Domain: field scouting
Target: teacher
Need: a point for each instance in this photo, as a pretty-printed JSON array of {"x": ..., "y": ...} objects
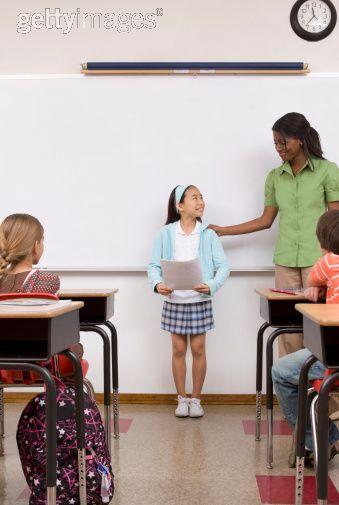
[{"x": 301, "y": 189}]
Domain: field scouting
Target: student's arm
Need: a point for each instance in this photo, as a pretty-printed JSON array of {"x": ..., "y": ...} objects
[
  {"x": 154, "y": 270},
  {"x": 318, "y": 274},
  {"x": 314, "y": 293},
  {"x": 222, "y": 269},
  {"x": 317, "y": 280}
]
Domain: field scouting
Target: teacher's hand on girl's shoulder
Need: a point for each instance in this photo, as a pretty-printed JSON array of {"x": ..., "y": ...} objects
[
  {"x": 218, "y": 229},
  {"x": 202, "y": 288},
  {"x": 162, "y": 289}
]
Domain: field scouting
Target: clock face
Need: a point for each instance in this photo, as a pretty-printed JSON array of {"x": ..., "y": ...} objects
[
  {"x": 314, "y": 17},
  {"x": 313, "y": 20}
]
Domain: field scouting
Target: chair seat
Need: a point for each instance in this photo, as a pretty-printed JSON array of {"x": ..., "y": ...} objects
[
  {"x": 66, "y": 367},
  {"x": 31, "y": 378},
  {"x": 316, "y": 384}
]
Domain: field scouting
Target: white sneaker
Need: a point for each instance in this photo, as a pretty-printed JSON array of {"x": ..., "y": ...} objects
[
  {"x": 182, "y": 408},
  {"x": 196, "y": 409}
]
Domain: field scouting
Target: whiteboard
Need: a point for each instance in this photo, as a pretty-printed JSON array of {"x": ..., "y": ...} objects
[{"x": 95, "y": 158}]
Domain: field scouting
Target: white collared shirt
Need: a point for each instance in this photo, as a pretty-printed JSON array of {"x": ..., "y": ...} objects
[{"x": 186, "y": 247}]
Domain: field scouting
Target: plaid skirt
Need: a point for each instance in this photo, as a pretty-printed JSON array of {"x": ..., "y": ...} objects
[{"x": 187, "y": 318}]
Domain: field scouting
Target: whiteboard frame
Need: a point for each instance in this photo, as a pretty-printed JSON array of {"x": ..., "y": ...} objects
[{"x": 311, "y": 75}]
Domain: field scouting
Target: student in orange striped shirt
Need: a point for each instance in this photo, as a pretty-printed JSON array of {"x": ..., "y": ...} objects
[
  {"x": 325, "y": 272},
  {"x": 286, "y": 371}
]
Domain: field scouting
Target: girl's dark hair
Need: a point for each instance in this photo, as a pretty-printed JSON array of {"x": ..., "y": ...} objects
[
  {"x": 172, "y": 213},
  {"x": 328, "y": 231},
  {"x": 296, "y": 125}
]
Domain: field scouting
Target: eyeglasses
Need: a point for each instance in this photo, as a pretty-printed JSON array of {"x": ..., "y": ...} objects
[
  {"x": 284, "y": 142},
  {"x": 280, "y": 144}
]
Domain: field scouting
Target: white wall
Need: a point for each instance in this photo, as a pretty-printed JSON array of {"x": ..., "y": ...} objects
[
  {"x": 225, "y": 30},
  {"x": 145, "y": 349}
]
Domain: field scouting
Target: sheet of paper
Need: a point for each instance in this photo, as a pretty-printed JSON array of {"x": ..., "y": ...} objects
[
  {"x": 181, "y": 274},
  {"x": 33, "y": 302}
]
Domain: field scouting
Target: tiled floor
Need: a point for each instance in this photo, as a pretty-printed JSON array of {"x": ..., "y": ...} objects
[{"x": 161, "y": 460}]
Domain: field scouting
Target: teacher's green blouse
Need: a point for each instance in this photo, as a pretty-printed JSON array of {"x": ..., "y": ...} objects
[{"x": 301, "y": 199}]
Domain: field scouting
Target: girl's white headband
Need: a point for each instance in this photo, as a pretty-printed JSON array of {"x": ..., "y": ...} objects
[{"x": 180, "y": 190}]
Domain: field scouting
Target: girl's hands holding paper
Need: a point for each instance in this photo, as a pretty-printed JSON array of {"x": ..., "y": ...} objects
[
  {"x": 202, "y": 288},
  {"x": 162, "y": 289}
]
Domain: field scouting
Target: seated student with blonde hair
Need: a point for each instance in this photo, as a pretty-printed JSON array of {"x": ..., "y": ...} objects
[{"x": 21, "y": 247}]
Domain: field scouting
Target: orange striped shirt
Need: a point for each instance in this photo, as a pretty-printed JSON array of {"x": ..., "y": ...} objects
[{"x": 326, "y": 272}]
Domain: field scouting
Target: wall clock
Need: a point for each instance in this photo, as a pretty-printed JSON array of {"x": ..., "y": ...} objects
[{"x": 313, "y": 20}]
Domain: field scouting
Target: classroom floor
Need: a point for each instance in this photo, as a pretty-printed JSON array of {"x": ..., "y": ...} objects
[{"x": 161, "y": 460}]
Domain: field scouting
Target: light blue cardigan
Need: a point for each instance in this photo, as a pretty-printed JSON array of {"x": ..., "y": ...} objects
[{"x": 215, "y": 268}]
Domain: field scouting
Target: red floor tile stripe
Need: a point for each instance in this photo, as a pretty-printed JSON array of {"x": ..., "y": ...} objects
[
  {"x": 280, "y": 427},
  {"x": 124, "y": 425},
  {"x": 25, "y": 494},
  {"x": 280, "y": 490}
]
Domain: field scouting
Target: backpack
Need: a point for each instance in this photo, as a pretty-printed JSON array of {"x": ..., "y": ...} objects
[{"x": 32, "y": 450}]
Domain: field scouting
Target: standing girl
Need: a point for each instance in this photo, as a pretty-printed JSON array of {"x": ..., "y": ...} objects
[{"x": 188, "y": 312}]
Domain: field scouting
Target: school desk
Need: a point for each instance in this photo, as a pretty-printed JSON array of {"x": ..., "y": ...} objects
[
  {"x": 30, "y": 335},
  {"x": 278, "y": 311},
  {"x": 321, "y": 337},
  {"x": 97, "y": 311}
]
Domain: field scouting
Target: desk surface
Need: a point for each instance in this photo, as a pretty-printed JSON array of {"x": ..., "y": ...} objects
[
  {"x": 87, "y": 293},
  {"x": 38, "y": 312},
  {"x": 272, "y": 295},
  {"x": 322, "y": 314}
]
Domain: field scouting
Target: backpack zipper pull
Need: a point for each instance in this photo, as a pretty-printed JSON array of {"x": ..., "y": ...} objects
[{"x": 105, "y": 482}]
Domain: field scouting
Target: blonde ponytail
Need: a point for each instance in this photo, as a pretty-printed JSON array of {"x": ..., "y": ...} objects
[
  {"x": 4, "y": 263},
  {"x": 18, "y": 234}
]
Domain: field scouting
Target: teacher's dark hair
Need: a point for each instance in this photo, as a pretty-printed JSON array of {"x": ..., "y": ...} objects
[
  {"x": 296, "y": 125},
  {"x": 328, "y": 231},
  {"x": 172, "y": 213}
]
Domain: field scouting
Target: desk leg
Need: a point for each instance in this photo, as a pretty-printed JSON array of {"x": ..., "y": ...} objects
[
  {"x": 301, "y": 429},
  {"x": 2, "y": 421},
  {"x": 322, "y": 436},
  {"x": 107, "y": 379},
  {"x": 260, "y": 338},
  {"x": 51, "y": 442},
  {"x": 115, "y": 373},
  {"x": 314, "y": 423},
  {"x": 269, "y": 388},
  {"x": 80, "y": 423}
]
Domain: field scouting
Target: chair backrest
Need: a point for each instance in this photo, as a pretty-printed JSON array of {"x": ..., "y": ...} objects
[{"x": 11, "y": 296}]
